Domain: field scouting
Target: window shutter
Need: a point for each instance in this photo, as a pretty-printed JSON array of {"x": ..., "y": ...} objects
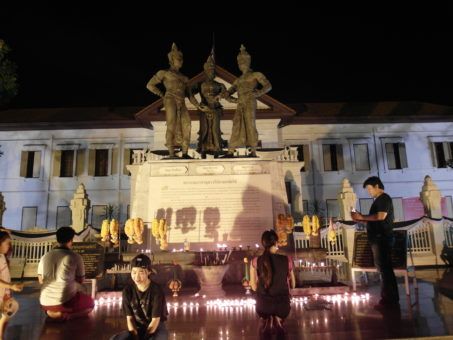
[
  {"x": 326, "y": 157},
  {"x": 391, "y": 162},
  {"x": 80, "y": 162},
  {"x": 447, "y": 152},
  {"x": 114, "y": 161},
  {"x": 23, "y": 163},
  {"x": 340, "y": 162},
  {"x": 37, "y": 164},
  {"x": 126, "y": 160},
  {"x": 361, "y": 157},
  {"x": 56, "y": 169},
  {"x": 91, "y": 161},
  {"x": 403, "y": 157},
  {"x": 29, "y": 215}
]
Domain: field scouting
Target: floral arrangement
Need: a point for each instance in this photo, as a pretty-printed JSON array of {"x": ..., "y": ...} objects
[
  {"x": 331, "y": 232},
  {"x": 174, "y": 284},
  {"x": 134, "y": 228},
  {"x": 284, "y": 226},
  {"x": 310, "y": 228},
  {"x": 110, "y": 231},
  {"x": 159, "y": 231}
]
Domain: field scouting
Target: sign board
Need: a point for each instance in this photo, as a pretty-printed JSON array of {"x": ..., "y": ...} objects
[
  {"x": 413, "y": 208},
  {"x": 93, "y": 255},
  {"x": 363, "y": 256}
]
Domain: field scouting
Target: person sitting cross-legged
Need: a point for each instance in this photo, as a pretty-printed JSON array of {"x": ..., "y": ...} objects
[
  {"x": 61, "y": 273},
  {"x": 144, "y": 304}
]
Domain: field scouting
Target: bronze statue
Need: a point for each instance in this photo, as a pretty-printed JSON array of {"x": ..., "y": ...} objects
[
  {"x": 249, "y": 86},
  {"x": 177, "y": 115},
  {"x": 210, "y": 136}
]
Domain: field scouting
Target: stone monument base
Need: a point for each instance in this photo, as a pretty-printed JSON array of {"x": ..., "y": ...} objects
[{"x": 206, "y": 203}]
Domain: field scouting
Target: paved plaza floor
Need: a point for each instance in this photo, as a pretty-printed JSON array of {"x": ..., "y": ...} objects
[{"x": 427, "y": 313}]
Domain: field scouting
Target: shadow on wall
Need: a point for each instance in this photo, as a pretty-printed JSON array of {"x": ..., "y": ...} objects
[
  {"x": 211, "y": 219},
  {"x": 255, "y": 215},
  {"x": 185, "y": 219},
  {"x": 252, "y": 221}
]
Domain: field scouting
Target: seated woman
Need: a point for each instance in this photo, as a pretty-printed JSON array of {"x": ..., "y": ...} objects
[
  {"x": 271, "y": 276},
  {"x": 8, "y": 305},
  {"x": 144, "y": 305}
]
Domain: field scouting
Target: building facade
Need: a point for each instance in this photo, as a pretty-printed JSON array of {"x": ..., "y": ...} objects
[{"x": 47, "y": 153}]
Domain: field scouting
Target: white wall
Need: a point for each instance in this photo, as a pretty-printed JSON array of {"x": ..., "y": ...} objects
[
  {"x": 48, "y": 191},
  {"x": 321, "y": 185}
]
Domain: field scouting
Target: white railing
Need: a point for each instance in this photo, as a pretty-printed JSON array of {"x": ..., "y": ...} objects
[
  {"x": 138, "y": 157},
  {"x": 333, "y": 248},
  {"x": 287, "y": 153},
  {"x": 419, "y": 239},
  {"x": 30, "y": 251},
  {"x": 448, "y": 233},
  {"x": 300, "y": 240}
]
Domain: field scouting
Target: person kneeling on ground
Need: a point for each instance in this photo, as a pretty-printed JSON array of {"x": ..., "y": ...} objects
[
  {"x": 271, "y": 276},
  {"x": 144, "y": 304},
  {"x": 61, "y": 273}
]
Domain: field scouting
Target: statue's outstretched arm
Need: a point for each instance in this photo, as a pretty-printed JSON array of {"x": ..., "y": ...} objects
[
  {"x": 265, "y": 84},
  {"x": 154, "y": 81},
  {"x": 191, "y": 92},
  {"x": 230, "y": 91},
  {"x": 223, "y": 94}
]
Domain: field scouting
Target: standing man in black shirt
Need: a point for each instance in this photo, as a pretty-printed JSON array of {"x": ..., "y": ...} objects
[
  {"x": 380, "y": 235},
  {"x": 143, "y": 304}
]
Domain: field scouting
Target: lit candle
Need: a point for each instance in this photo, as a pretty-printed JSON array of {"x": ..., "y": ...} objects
[
  {"x": 201, "y": 256},
  {"x": 300, "y": 263},
  {"x": 246, "y": 261}
]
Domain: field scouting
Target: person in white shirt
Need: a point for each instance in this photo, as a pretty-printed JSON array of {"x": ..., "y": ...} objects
[
  {"x": 61, "y": 273},
  {"x": 8, "y": 305}
]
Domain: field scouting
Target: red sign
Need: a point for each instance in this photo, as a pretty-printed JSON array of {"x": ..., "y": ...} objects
[{"x": 413, "y": 208}]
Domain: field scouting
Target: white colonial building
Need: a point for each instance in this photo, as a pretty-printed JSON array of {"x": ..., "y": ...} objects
[{"x": 47, "y": 153}]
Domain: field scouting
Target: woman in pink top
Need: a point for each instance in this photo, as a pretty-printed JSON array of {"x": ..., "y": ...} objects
[{"x": 8, "y": 305}]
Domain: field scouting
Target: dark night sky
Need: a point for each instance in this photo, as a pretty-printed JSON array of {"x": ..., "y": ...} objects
[{"x": 105, "y": 58}]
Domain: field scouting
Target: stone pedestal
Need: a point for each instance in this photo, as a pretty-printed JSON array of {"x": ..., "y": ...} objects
[
  {"x": 80, "y": 204},
  {"x": 347, "y": 200},
  {"x": 206, "y": 202},
  {"x": 210, "y": 278}
]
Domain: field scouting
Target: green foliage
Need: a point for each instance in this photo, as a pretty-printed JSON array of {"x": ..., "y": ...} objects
[
  {"x": 8, "y": 78},
  {"x": 317, "y": 208},
  {"x": 110, "y": 211}
]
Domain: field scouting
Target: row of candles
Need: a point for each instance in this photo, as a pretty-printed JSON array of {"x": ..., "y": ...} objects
[
  {"x": 126, "y": 267},
  {"x": 219, "y": 247},
  {"x": 249, "y": 302},
  {"x": 308, "y": 264},
  {"x": 335, "y": 298},
  {"x": 314, "y": 266}
]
